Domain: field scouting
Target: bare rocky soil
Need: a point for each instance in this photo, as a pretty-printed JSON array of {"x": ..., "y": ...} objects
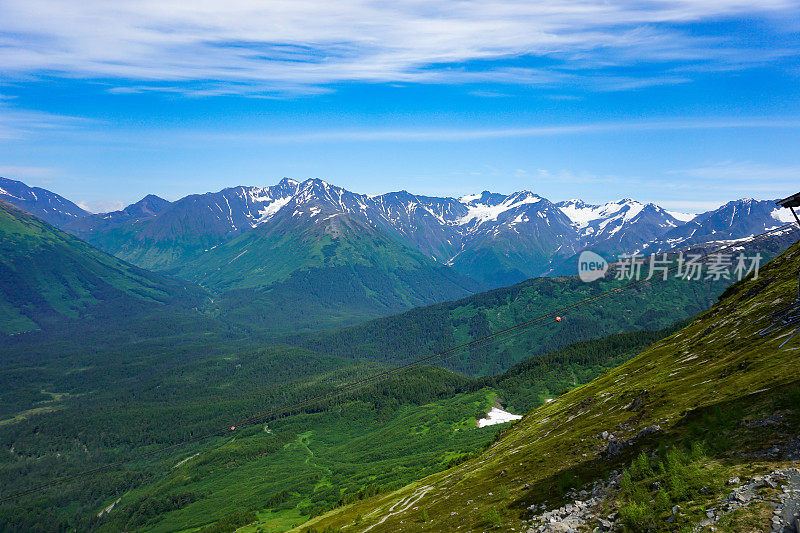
[{"x": 585, "y": 512}]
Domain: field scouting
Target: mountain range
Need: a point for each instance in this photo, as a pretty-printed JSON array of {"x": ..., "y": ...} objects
[
  {"x": 492, "y": 238},
  {"x": 310, "y": 254}
]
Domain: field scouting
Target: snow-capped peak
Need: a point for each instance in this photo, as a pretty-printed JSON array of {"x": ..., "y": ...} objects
[
  {"x": 311, "y": 183},
  {"x": 582, "y": 214},
  {"x": 485, "y": 212},
  {"x": 469, "y": 198},
  {"x": 574, "y": 202}
]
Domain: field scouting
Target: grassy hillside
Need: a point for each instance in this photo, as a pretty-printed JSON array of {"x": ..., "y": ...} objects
[
  {"x": 700, "y": 386},
  {"x": 47, "y": 276}
]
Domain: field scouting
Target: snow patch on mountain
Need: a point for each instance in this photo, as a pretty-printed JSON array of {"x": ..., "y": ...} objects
[
  {"x": 580, "y": 213},
  {"x": 497, "y": 416},
  {"x": 631, "y": 209},
  {"x": 486, "y": 212},
  {"x": 469, "y": 198},
  {"x": 269, "y": 210},
  {"x": 583, "y": 215}
]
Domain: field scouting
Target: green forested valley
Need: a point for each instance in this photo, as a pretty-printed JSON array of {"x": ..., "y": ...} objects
[{"x": 102, "y": 402}]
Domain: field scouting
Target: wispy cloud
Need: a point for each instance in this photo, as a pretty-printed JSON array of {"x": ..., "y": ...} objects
[
  {"x": 472, "y": 134},
  {"x": 20, "y": 123},
  {"x": 42, "y": 174},
  {"x": 747, "y": 177},
  {"x": 240, "y": 46},
  {"x": 726, "y": 180},
  {"x": 488, "y": 94}
]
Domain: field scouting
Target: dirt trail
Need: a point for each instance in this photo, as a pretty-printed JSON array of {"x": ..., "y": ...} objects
[{"x": 404, "y": 505}]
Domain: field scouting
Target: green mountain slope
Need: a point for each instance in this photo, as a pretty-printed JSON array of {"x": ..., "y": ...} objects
[
  {"x": 700, "y": 385},
  {"x": 293, "y": 275},
  {"x": 47, "y": 276},
  {"x": 532, "y": 382},
  {"x": 271, "y": 253},
  {"x": 428, "y": 330},
  {"x": 147, "y": 244}
]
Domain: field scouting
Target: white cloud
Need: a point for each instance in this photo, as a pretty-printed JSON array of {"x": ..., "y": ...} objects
[
  {"x": 100, "y": 205},
  {"x": 488, "y": 94},
  {"x": 241, "y": 46}
]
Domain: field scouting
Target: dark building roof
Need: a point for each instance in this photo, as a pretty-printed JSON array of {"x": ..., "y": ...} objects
[{"x": 792, "y": 201}]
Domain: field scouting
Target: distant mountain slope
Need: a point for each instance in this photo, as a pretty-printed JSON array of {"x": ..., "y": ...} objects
[
  {"x": 716, "y": 385},
  {"x": 310, "y": 231},
  {"x": 734, "y": 220},
  {"x": 311, "y": 264},
  {"x": 618, "y": 227},
  {"x": 495, "y": 239},
  {"x": 85, "y": 227},
  {"x": 47, "y": 276},
  {"x": 48, "y": 206},
  {"x": 509, "y": 239},
  {"x": 188, "y": 227}
]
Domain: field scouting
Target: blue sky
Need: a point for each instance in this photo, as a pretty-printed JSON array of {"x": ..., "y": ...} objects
[{"x": 685, "y": 103}]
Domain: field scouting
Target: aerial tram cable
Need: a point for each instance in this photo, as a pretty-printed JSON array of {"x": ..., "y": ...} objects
[{"x": 383, "y": 375}]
